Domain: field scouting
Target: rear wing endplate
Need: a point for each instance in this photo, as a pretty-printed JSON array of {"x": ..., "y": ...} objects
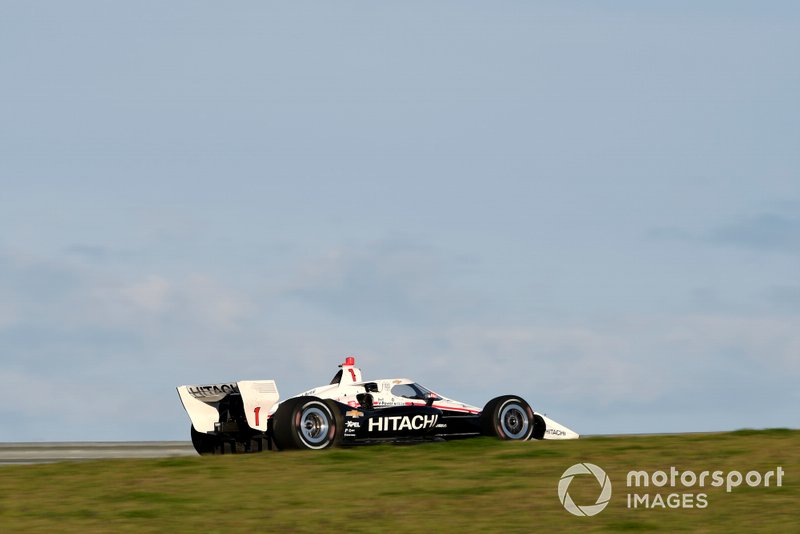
[{"x": 202, "y": 402}]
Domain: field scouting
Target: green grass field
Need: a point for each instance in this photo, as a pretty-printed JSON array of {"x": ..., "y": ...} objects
[{"x": 476, "y": 485}]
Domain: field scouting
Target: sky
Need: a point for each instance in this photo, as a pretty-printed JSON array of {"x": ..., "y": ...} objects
[{"x": 594, "y": 205}]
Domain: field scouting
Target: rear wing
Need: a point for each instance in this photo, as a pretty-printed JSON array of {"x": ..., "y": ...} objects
[{"x": 202, "y": 403}]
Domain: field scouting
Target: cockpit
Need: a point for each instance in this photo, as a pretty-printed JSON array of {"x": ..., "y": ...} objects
[{"x": 413, "y": 391}]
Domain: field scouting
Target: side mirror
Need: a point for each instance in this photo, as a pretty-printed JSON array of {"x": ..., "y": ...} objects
[
  {"x": 365, "y": 400},
  {"x": 430, "y": 398}
]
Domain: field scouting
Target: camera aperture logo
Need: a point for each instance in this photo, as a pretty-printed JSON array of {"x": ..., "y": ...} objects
[{"x": 584, "y": 469}]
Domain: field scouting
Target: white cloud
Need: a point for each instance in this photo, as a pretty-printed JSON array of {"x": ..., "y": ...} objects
[
  {"x": 211, "y": 303},
  {"x": 387, "y": 281},
  {"x": 765, "y": 232},
  {"x": 647, "y": 360},
  {"x": 565, "y": 362},
  {"x": 96, "y": 328},
  {"x": 771, "y": 341},
  {"x": 192, "y": 299},
  {"x": 150, "y": 294},
  {"x": 8, "y": 315}
]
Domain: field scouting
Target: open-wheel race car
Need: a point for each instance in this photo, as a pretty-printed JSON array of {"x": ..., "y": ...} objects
[{"x": 247, "y": 416}]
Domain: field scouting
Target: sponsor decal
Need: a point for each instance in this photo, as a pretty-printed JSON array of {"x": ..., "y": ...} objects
[
  {"x": 402, "y": 422},
  {"x": 352, "y": 424},
  {"x": 213, "y": 390},
  {"x": 555, "y": 432},
  {"x": 354, "y": 413}
]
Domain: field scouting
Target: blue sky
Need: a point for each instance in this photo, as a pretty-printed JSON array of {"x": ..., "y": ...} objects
[{"x": 593, "y": 205}]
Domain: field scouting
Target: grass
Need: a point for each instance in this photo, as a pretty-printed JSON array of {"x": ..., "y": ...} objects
[{"x": 480, "y": 485}]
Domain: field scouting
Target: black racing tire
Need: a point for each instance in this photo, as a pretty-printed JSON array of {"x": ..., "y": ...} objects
[
  {"x": 339, "y": 419},
  {"x": 508, "y": 417},
  {"x": 306, "y": 423},
  {"x": 485, "y": 420},
  {"x": 203, "y": 443}
]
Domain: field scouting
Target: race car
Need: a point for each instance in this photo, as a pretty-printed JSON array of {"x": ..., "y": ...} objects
[{"x": 246, "y": 416}]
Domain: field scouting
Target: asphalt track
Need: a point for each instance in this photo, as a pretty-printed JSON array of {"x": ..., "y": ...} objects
[{"x": 48, "y": 452}]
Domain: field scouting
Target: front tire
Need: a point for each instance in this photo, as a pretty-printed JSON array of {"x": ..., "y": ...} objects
[
  {"x": 306, "y": 423},
  {"x": 508, "y": 417}
]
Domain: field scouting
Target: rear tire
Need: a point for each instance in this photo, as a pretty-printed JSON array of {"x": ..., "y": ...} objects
[
  {"x": 203, "y": 443},
  {"x": 508, "y": 417},
  {"x": 306, "y": 423}
]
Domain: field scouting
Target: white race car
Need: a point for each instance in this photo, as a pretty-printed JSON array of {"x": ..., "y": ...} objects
[{"x": 246, "y": 416}]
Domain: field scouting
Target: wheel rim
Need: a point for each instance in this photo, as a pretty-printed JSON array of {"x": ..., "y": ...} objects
[
  {"x": 514, "y": 421},
  {"x": 314, "y": 426}
]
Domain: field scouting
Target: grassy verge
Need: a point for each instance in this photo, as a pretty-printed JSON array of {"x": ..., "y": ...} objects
[{"x": 471, "y": 486}]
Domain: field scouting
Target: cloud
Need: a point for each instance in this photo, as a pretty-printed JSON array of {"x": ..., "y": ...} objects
[
  {"x": 670, "y": 233},
  {"x": 135, "y": 336},
  {"x": 629, "y": 364},
  {"x": 771, "y": 344},
  {"x": 784, "y": 297},
  {"x": 72, "y": 333},
  {"x": 53, "y": 311},
  {"x": 36, "y": 280},
  {"x": 210, "y": 302},
  {"x": 8, "y": 315},
  {"x": 94, "y": 253},
  {"x": 149, "y": 294},
  {"x": 565, "y": 362},
  {"x": 765, "y": 232},
  {"x": 384, "y": 281},
  {"x": 40, "y": 290},
  {"x": 194, "y": 298}
]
